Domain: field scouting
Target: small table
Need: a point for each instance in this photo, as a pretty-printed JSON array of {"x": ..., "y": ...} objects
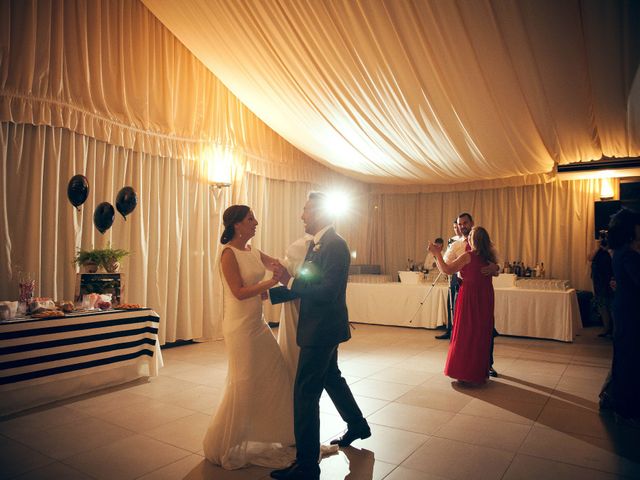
[
  {"x": 406, "y": 305},
  {"x": 44, "y": 360},
  {"x": 552, "y": 314}
]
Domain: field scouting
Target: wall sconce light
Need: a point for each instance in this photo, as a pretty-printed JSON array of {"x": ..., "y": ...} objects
[
  {"x": 217, "y": 161},
  {"x": 606, "y": 189}
]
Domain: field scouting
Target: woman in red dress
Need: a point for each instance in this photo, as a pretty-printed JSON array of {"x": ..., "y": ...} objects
[{"x": 468, "y": 357}]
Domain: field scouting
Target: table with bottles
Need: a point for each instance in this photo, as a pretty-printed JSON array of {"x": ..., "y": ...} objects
[{"x": 529, "y": 309}]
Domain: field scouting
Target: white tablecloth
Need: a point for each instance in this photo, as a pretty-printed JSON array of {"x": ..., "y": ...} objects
[
  {"x": 522, "y": 312},
  {"x": 397, "y": 304},
  {"x": 537, "y": 313},
  {"x": 42, "y": 361}
]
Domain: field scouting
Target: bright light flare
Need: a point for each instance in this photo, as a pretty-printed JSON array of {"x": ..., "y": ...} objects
[
  {"x": 218, "y": 162},
  {"x": 337, "y": 204}
]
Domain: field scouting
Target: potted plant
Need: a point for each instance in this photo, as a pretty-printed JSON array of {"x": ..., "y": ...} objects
[
  {"x": 110, "y": 258},
  {"x": 88, "y": 260},
  {"x": 107, "y": 258}
]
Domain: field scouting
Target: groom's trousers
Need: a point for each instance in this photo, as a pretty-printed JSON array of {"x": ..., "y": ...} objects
[{"x": 318, "y": 370}]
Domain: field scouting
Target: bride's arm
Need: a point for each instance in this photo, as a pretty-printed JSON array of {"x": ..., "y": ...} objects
[
  {"x": 268, "y": 261},
  {"x": 231, "y": 272}
]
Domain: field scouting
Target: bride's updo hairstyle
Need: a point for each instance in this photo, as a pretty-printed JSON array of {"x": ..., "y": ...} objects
[{"x": 232, "y": 215}]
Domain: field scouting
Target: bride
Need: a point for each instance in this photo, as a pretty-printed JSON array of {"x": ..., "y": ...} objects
[{"x": 253, "y": 424}]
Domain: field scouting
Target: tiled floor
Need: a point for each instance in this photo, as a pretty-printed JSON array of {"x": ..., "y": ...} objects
[{"x": 539, "y": 420}]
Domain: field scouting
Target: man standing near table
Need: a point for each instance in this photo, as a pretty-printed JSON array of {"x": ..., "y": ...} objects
[
  {"x": 464, "y": 224},
  {"x": 453, "y": 279}
]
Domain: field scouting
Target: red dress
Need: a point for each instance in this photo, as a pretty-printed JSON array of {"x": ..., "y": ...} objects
[{"x": 468, "y": 357}]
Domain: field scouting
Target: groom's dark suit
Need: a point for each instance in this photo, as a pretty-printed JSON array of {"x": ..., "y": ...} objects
[{"x": 323, "y": 323}]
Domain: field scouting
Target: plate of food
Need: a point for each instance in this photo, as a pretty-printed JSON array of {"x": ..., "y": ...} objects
[
  {"x": 65, "y": 305},
  {"x": 48, "y": 314},
  {"x": 129, "y": 306}
]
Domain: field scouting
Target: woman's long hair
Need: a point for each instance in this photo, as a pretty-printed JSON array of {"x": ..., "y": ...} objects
[
  {"x": 622, "y": 228},
  {"x": 482, "y": 244},
  {"x": 232, "y": 215}
]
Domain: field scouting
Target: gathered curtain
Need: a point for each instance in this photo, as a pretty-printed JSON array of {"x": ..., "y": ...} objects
[
  {"x": 552, "y": 223},
  {"x": 171, "y": 233},
  {"x": 110, "y": 70}
]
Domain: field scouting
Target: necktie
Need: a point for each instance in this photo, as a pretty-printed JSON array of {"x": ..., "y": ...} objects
[{"x": 311, "y": 247}]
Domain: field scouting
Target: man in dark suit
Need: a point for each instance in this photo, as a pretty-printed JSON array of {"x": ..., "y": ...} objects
[{"x": 322, "y": 325}]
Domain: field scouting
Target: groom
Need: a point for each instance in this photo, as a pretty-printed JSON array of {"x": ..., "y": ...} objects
[{"x": 322, "y": 325}]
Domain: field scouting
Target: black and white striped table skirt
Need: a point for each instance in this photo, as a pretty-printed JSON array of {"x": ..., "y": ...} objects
[{"x": 42, "y": 361}]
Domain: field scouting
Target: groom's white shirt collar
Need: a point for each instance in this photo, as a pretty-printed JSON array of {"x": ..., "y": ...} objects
[{"x": 318, "y": 236}]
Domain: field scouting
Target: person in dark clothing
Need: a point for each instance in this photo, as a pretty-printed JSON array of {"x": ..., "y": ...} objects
[
  {"x": 623, "y": 391},
  {"x": 601, "y": 275}
]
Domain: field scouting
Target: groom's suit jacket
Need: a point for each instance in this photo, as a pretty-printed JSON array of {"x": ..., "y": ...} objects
[{"x": 322, "y": 288}]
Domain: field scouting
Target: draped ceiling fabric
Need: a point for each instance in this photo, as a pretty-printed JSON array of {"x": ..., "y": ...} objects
[
  {"x": 429, "y": 92},
  {"x": 111, "y": 71}
]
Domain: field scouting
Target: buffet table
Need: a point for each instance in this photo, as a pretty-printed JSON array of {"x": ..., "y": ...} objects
[
  {"x": 522, "y": 312},
  {"x": 45, "y": 360}
]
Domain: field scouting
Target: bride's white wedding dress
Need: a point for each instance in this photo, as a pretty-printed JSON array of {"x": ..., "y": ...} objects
[
  {"x": 253, "y": 424},
  {"x": 293, "y": 261}
]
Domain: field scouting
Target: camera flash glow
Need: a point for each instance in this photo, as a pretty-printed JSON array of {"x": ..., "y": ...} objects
[{"x": 337, "y": 204}]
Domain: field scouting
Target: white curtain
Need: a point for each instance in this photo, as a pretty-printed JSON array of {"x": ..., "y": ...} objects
[
  {"x": 551, "y": 223},
  {"x": 171, "y": 234}
]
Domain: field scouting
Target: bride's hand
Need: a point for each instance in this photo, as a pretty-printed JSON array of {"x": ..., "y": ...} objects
[
  {"x": 265, "y": 295},
  {"x": 273, "y": 266}
]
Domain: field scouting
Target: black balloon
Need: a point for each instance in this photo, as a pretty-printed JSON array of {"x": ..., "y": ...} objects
[
  {"x": 103, "y": 216},
  {"x": 78, "y": 190},
  {"x": 126, "y": 201}
]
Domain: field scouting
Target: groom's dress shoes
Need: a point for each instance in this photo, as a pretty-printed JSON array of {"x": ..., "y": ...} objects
[
  {"x": 297, "y": 472},
  {"x": 352, "y": 435}
]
